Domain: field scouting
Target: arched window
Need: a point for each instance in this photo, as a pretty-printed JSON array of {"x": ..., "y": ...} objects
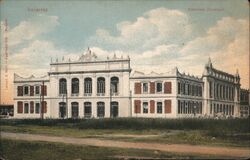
[
  {"x": 87, "y": 86},
  {"x": 62, "y": 86},
  {"x": 87, "y": 109},
  {"x": 100, "y": 85},
  {"x": 100, "y": 109},
  {"x": 74, "y": 110},
  {"x": 62, "y": 109},
  {"x": 75, "y": 86},
  {"x": 114, "y": 110},
  {"x": 114, "y": 85}
]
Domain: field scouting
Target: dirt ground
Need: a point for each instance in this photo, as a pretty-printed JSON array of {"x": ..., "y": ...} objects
[{"x": 176, "y": 148}]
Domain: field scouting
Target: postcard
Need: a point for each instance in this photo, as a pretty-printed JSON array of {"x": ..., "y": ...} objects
[{"x": 134, "y": 60}]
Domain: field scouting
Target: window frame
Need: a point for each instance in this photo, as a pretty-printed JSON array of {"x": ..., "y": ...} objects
[
  {"x": 156, "y": 87},
  {"x": 147, "y": 86},
  {"x": 62, "y": 86},
  {"x": 100, "y": 109},
  {"x": 26, "y": 107},
  {"x": 88, "y": 86},
  {"x": 26, "y": 94},
  {"x": 37, "y": 107},
  {"x": 86, "y": 105},
  {"x": 101, "y": 86},
  {"x": 75, "y": 89},
  {"x": 159, "y": 109},
  {"x": 114, "y": 85},
  {"x": 145, "y": 108},
  {"x": 39, "y": 90},
  {"x": 75, "y": 109}
]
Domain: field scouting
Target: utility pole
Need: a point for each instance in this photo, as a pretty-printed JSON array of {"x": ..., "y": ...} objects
[
  {"x": 130, "y": 101},
  {"x": 40, "y": 109},
  {"x": 67, "y": 103},
  {"x": 110, "y": 100},
  {"x": 43, "y": 103}
]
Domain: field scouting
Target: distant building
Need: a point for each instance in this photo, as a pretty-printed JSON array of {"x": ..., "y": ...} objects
[
  {"x": 221, "y": 92},
  {"x": 244, "y": 103},
  {"x": 6, "y": 110},
  {"x": 92, "y": 88}
]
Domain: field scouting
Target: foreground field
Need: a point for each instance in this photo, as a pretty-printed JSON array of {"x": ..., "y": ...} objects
[
  {"x": 25, "y": 150},
  {"x": 229, "y": 132},
  {"x": 177, "y": 151},
  {"x": 227, "y": 137}
]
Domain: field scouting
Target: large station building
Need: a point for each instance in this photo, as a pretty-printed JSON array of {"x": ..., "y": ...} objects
[{"x": 93, "y": 88}]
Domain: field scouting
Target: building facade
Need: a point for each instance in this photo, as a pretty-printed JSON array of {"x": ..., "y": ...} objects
[
  {"x": 244, "y": 103},
  {"x": 221, "y": 92},
  {"x": 92, "y": 88}
]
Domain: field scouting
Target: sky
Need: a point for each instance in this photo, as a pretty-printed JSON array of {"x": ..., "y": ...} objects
[{"x": 157, "y": 35}]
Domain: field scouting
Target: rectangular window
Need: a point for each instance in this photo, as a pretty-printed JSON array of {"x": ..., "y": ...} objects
[
  {"x": 159, "y": 87},
  {"x": 20, "y": 91},
  {"x": 101, "y": 86},
  {"x": 186, "y": 89},
  {"x": 37, "y": 107},
  {"x": 145, "y": 87},
  {"x": 159, "y": 107},
  {"x": 26, "y": 107},
  {"x": 211, "y": 108},
  {"x": 100, "y": 109},
  {"x": 179, "y": 107},
  {"x": 87, "y": 110},
  {"x": 210, "y": 90},
  {"x": 37, "y": 90},
  {"x": 19, "y": 107},
  {"x": 168, "y": 87},
  {"x": 137, "y": 88},
  {"x": 145, "y": 107},
  {"x": 137, "y": 106},
  {"x": 26, "y": 90},
  {"x": 168, "y": 106},
  {"x": 179, "y": 88}
]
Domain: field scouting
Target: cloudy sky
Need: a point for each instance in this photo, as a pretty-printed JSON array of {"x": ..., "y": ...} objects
[{"x": 157, "y": 35}]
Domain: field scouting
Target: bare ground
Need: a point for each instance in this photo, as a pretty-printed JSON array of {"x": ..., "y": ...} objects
[{"x": 176, "y": 148}]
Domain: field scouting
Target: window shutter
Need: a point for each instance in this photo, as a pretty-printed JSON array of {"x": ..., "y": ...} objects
[
  {"x": 31, "y": 90},
  {"x": 137, "y": 106},
  {"x": 31, "y": 107},
  {"x": 152, "y": 106},
  {"x": 138, "y": 88},
  {"x": 168, "y": 106},
  {"x": 44, "y": 90},
  {"x": 19, "y": 107},
  {"x": 168, "y": 87},
  {"x": 152, "y": 87},
  {"x": 20, "y": 91},
  {"x": 44, "y": 107}
]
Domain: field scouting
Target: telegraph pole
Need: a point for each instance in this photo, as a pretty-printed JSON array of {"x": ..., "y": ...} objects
[
  {"x": 110, "y": 99},
  {"x": 43, "y": 103},
  {"x": 67, "y": 103}
]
